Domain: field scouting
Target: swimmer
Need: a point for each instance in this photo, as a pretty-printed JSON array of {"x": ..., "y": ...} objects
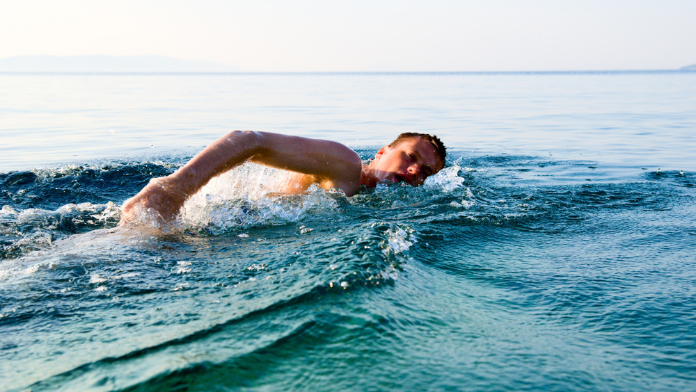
[{"x": 411, "y": 158}]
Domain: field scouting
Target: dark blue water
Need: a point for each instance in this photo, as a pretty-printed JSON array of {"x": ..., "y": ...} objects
[{"x": 543, "y": 271}]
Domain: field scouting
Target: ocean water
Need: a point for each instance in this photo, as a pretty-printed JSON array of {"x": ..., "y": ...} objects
[{"x": 556, "y": 251}]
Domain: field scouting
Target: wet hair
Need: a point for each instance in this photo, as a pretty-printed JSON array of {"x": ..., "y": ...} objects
[{"x": 434, "y": 140}]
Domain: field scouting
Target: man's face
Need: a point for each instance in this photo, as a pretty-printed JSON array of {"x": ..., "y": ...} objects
[{"x": 412, "y": 160}]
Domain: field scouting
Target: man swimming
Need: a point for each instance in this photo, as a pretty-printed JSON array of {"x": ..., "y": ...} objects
[{"x": 411, "y": 158}]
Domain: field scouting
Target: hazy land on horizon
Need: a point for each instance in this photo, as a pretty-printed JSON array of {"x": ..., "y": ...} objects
[{"x": 157, "y": 64}]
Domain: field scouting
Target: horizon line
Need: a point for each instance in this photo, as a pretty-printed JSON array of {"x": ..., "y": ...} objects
[{"x": 678, "y": 70}]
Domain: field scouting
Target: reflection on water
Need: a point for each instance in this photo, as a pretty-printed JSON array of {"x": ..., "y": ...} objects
[{"x": 630, "y": 119}]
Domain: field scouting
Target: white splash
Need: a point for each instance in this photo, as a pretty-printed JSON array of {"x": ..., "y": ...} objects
[
  {"x": 95, "y": 278},
  {"x": 399, "y": 240},
  {"x": 467, "y": 202},
  {"x": 7, "y": 212},
  {"x": 446, "y": 180},
  {"x": 182, "y": 267},
  {"x": 248, "y": 196}
]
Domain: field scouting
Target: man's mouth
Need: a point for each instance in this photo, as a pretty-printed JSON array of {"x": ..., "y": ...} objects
[{"x": 400, "y": 178}]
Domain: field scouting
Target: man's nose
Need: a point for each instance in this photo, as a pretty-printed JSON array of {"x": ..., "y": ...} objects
[{"x": 415, "y": 171}]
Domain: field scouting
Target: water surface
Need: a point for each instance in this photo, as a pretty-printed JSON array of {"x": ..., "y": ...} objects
[{"x": 555, "y": 252}]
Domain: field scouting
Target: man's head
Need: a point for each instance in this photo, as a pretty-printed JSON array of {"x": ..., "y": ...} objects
[
  {"x": 434, "y": 140},
  {"x": 410, "y": 158}
]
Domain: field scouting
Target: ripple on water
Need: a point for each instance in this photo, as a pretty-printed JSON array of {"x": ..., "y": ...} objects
[{"x": 496, "y": 262}]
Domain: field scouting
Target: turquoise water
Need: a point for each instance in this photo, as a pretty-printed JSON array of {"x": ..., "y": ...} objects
[{"x": 556, "y": 250}]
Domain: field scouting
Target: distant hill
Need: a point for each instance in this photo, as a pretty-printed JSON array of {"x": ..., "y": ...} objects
[
  {"x": 106, "y": 64},
  {"x": 689, "y": 68}
]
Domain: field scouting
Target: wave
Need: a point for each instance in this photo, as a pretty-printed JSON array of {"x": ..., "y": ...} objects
[
  {"x": 40, "y": 207},
  {"x": 240, "y": 252}
]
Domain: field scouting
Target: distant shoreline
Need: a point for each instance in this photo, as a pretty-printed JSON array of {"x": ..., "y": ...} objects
[
  {"x": 157, "y": 64},
  {"x": 599, "y": 72}
]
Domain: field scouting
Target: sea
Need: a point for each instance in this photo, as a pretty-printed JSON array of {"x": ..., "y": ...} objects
[{"x": 556, "y": 251}]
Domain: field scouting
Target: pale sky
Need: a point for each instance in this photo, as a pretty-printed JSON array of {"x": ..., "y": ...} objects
[{"x": 363, "y": 35}]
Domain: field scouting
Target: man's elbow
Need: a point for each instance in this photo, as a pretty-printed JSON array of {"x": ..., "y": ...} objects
[
  {"x": 251, "y": 141},
  {"x": 238, "y": 135}
]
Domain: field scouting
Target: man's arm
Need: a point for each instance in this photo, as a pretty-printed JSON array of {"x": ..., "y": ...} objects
[{"x": 330, "y": 164}]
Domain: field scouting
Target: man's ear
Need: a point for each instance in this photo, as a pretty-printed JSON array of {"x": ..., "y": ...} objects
[{"x": 381, "y": 151}]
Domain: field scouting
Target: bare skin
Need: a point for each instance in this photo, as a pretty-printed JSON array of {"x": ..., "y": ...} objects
[
  {"x": 410, "y": 161},
  {"x": 326, "y": 163}
]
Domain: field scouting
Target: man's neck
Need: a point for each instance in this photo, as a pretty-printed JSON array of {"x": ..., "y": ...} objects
[{"x": 367, "y": 178}]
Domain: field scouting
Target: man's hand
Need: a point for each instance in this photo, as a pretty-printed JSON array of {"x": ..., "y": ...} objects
[{"x": 161, "y": 194}]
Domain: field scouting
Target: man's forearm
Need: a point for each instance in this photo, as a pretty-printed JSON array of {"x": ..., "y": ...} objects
[
  {"x": 224, "y": 154},
  {"x": 167, "y": 195}
]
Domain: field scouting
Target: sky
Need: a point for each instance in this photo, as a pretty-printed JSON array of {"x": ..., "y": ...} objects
[{"x": 363, "y": 35}]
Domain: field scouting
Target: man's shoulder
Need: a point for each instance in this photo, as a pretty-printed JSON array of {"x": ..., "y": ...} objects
[{"x": 345, "y": 171}]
